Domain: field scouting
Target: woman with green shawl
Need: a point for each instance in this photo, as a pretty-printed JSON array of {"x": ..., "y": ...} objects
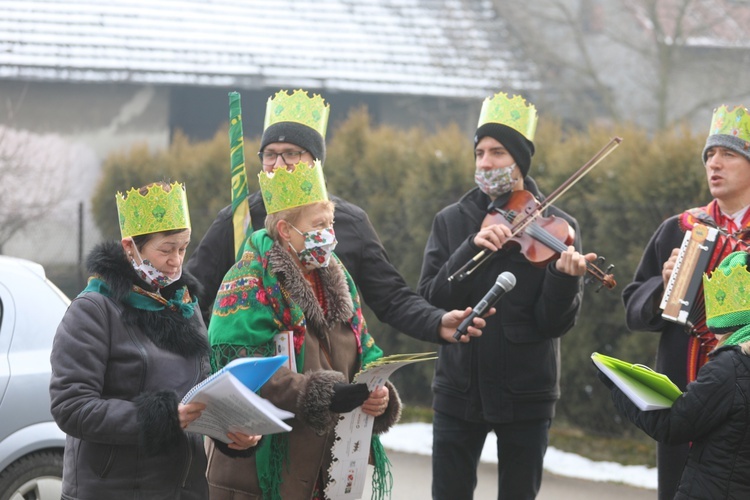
[{"x": 289, "y": 280}]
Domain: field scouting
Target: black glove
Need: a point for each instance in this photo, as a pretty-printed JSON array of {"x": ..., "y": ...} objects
[
  {"x": 605, "y": 379},
  {"x": 347, "y": 397}
]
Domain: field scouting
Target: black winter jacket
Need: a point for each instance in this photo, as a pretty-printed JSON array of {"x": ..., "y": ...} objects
[
  {"x": 713, "y": 414},
  {"x": 381, "y": 286},
  {"x": 118, "y": 374},
  {"x": 512, "y": 372}
]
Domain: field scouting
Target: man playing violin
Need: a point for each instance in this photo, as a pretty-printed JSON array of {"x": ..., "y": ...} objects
[
  {"x": 506, "y": 381},
  {"x": 683, "y": 349}
]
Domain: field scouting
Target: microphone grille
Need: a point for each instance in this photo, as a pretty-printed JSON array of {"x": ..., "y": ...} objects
[{"x": 506, "y": 280}]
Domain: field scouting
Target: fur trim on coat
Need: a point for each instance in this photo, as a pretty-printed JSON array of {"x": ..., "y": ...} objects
[
  {"x": 335, "y": 288},
  {"x": 158, "y": 421},
  {"x": 167, "y": 329},
  {"x": 315, "y": 400}
]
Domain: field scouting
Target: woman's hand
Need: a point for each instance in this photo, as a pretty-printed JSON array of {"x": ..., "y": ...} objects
[
  {"x": 189, "y": 412},
  {"x": 242, "y": 441},
  {"x": 377, "y": 403}
]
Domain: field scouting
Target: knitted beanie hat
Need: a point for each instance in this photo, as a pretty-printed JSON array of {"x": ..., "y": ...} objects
[
  {"x": 519, "y": 147},
  {"x": 730, "y": 129},
  {"x": 736, "y": 144},
  {"x": 727, "y": 294},
  {"x": 298, "y": 134}
]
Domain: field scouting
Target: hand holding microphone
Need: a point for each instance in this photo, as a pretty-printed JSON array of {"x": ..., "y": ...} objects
[{"x": 504, "y": 283}]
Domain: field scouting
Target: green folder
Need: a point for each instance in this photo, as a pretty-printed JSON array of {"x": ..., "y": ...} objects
[{"x": 646, "y": 388}]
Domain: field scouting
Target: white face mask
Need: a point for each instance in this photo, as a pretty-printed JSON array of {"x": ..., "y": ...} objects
[
  {"x": 149, "y": 273},
  {"x": 495, "y": 182},
  {"x": 319, "y": 246}
]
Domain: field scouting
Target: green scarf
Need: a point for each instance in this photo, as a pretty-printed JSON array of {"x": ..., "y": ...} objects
[
  {"x": 145, "y": 300},
  {"x": 251, "y": 308}
]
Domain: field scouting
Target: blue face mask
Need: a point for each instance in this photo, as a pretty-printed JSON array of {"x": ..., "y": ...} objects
[{"x": 495, "y": 182}]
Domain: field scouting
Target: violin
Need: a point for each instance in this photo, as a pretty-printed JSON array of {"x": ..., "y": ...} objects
[
  {"x": 543, "y": 239},
  {"x": 541, "y": 242}
]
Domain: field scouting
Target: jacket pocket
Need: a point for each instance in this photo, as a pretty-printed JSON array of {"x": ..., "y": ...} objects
[
  {"x": 453, "y": 368},
  {"x": 531, "y": 362},
  {"x": 101, "y": 457}
]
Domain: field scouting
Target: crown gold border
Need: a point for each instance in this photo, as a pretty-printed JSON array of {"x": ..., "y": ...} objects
[
  {"x": 513, "y": 112},
  {"x": 727, "y": 293},
  {"x": 282, "y": 189},
  {"x": 298, "y": 107},
  {"x": 156, "y": 211}
]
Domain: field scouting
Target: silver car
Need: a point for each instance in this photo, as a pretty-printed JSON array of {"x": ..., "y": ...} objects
[{"x": 31, "y": 444}]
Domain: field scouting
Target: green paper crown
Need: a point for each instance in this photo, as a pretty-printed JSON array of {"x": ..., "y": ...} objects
[
  {"x": 299, "y": 108},
  {"x": 727, "y": 293},
  {"x": 283, "y": 189},
  {"x": 514, "y": 112},
  {"x": 153, "y": 212},
  {"x": 735, "y": 122}
]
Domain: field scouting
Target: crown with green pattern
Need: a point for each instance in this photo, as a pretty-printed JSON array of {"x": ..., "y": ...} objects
[
  {"x": 153, "y": 208},
  {"x": 727, "y": 293},
  {"x": 299, "y": 108},
  {"x": 513, "y": 112},
  {"x": 282, "y": 189},
  {"x": 734, "y": 122}
]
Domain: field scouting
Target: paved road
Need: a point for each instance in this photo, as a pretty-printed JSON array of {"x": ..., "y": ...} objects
[{"x": 412, "y": 477}]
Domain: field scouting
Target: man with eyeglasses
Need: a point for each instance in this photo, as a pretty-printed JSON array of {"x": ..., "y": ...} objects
[{"x": 283, "y": 145}]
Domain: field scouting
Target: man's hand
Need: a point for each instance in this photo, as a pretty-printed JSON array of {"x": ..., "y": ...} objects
[
  {"x": 492, "y": 237},
  {"x": 668, "y": 267},
  {"x": 451, "y": 320},
  {"x": 573, "y": 263}
]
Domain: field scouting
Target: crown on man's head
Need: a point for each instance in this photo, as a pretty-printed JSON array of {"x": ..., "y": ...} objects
[
  {"x": 734, "y": 122},
  {"x": 282, "y": 189},
  {"x": 513, "y": 112},
  {"x": 727, "y": 293},
  {"x": 299, "y": 108},
  {"x": 152, "y": 209}
]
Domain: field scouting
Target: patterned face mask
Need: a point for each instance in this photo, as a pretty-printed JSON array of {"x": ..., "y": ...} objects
[
  {"x": 319, "y": 246},
  {"x": 495, "y": 182},
  {"x": 149, "y": 273}
]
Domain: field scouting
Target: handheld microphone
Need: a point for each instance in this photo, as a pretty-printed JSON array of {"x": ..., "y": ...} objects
[{"x": 504, "y": 283}]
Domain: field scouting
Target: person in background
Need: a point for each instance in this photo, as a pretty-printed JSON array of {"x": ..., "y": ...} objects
[
  {"x": 289, "y": 282},
  {"x": 684, "y": 349},
  {"x": 294, "y": 131},
  {"x": 508, "y": 380},
  {"x": 129, "y": 347},
  {"x": 712, "y": 414}
]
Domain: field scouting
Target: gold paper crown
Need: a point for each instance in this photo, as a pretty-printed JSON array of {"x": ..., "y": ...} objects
[
  {"x": 726, "y": 295},
  {"x": 300, "y": 108},
  {"x": 514, "y": 112},
  {"x": 158, "y": 210},
  {"x": 735, "y": 122},
  {"x": 283, "y": 189}
]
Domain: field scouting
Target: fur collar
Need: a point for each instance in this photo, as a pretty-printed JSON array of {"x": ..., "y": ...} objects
[
  {"x": 335, "y": 288},
  {"x": 166, "y": 328}
]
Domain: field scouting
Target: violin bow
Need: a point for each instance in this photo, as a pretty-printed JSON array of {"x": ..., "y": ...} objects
[{"x": 482, "y": 257}]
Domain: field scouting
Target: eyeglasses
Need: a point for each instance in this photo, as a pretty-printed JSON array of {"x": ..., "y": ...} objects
[{"x": 289, "y": 157}]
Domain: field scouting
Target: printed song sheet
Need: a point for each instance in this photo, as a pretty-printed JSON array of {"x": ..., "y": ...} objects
[{"x": 354, "y": 431}]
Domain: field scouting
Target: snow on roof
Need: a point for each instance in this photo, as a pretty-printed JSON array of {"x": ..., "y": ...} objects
[
  {"x": 456, "y": 48},
  {"x": 698, "y": 23}
]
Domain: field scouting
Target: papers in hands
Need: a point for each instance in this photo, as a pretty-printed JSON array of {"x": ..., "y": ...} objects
[
  {"x": 231, "y": 403},
  {"x": 351, "y": 449},
  {"x": 647, "y": 389}
]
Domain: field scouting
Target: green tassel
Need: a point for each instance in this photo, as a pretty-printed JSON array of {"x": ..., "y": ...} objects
[
  {"x": 271, "y": 456},
  {"x": 382, "y": 479}
]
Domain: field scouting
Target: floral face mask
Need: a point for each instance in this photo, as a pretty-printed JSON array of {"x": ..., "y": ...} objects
[
  {"x": 495, "y": 182},
  {"x": 319, "y": 246},
  {"x": 149, "y": 273}
]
